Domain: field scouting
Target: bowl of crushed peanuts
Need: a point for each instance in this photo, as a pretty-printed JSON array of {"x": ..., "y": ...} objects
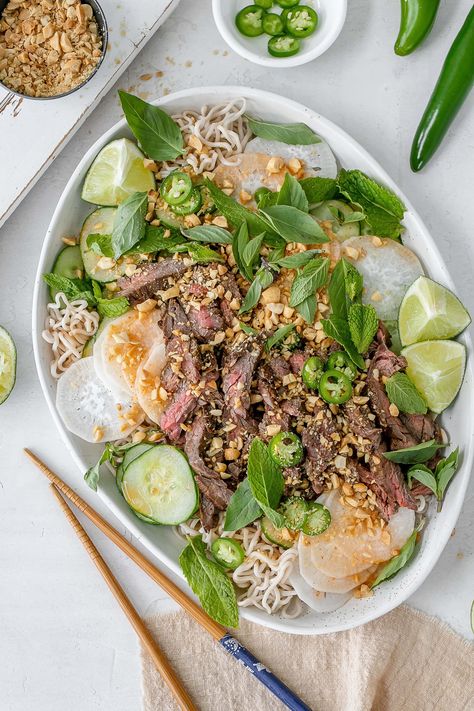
[{"x": 50, "y": 48}]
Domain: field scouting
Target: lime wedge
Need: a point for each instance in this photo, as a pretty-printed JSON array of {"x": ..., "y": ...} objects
[
  {"x": 116, "y": 173},
  {"x": 430, "y": 311},
  {"x": 437, "y": 369},
  {"x": 7, "y": 364}
]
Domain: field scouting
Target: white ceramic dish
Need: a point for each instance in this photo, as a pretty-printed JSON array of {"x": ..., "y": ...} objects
[
  {"x": 163, "y": 542},
  {"x": 331, "y": 13}
]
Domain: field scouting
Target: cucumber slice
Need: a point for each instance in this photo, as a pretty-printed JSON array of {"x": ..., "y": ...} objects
[
  {"x": 337, "y": 211},
  {"x": 159, "y": 484},
  {"x": 99, "y": 222},
  {"x": 295, "y": 510},
  {"x": 130, "y": 455},
  {"x": 7, "y": 364},
  {"x": 280, "y": 536},
  {"x": 68, "y": 264}
]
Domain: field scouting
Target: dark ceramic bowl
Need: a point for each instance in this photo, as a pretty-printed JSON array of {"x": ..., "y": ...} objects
[{"x": 104, "y": 33}]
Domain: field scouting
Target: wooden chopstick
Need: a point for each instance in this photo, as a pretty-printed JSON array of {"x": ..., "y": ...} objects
[
  {"x": 213, "y": 627},
  {"x": 161, "y": 663}
]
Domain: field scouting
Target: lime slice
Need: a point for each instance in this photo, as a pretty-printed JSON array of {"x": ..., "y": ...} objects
[
  {"x": 430, "y": 311},
  {"x": 7, "y": 364},
  {"x": 437, "y": 369},
  {"x": 116, "y": 173}
]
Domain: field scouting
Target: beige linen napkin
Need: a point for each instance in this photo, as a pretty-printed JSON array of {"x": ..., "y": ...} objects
[{"x": 405, "y": 661}]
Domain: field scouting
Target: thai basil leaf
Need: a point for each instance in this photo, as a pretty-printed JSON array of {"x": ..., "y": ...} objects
[
  {"x": 290, "y": 133},
  {"x": 242, "y": 509},
  {"x": 264, "y": 476},
  {"x": 129, "y": 224},
  {"x": 210, "y": 234},
  {"x": 424, "y": 475},
  {"x": 251, "y": 253},
  {"x": 363, "y": 323},
  {"x": 311, "y": 278},
  {"x": 344, "y": 288},
  {"x": 155, "y": 241},
  {"x": 239, "y": 242},
  {"x": 299, "y": 259},
  {"x": 307, "y": 309},
  {"x": 234, "y": 212},
  {"x": 319, "y": 189},
  {"x": 293, "y": 225},
  {"x": 338, "y": 329},
  {"x": 209, "y": 582},
  {"x": 199, "y": 253},
  {"x": 159, "y": 136},
  {"x": 291, "y": 193},
  {"x": 399, "y": 561},
  {"x": 263, "y": 279},
  {"x": 445, "y": 470},
  {"x": 418, "y": 454},
  {"x": 278, "y": 336},
  {"x": 403, "y": 393}
]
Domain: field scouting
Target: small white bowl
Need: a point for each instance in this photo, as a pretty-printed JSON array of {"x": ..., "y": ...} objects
[{"x": 331, "y": 14}]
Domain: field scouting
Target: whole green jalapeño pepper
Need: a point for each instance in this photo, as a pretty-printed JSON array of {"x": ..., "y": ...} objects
[
  {"x": 417, "y": 19},
  {"x": 454, "y": 84}
]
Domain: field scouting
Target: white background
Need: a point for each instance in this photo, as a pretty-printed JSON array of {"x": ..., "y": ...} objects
[{"x": 64, "y": 643}]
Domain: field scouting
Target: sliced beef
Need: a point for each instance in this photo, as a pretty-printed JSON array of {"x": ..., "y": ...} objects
[
  {"x": 209, "y": 482},
  {"x": 207, "y": 513},
  {"x": 237, "y": 373},
  {"x": 422, "y": 427},
  {"x": 315, "y": 476},
  {"x": 273, "y": 413},
  {"x": 361, "y": 425},
  {"x": 147, "y": 280},
  {"x": 386, "y": 480},
  {"x": 280, "y": 367},
  {"x": 182, "y": 404},
  {"x": 321, "y": 444},
  {"x": 297, "y": 361},
  {"x": 293, "y": 406},
  {"x": 176, "y": 320},
  {"x": 205, "y": 321}
]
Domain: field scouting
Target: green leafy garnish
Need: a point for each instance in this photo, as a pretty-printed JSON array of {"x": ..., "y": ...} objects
[
  {"x": 251, "y": 253},
  {"x": 383, "y": 209},
  {"x": 307, "y": 309},
  {"x": 291, "y": 193},
  {"x": 73, "y": 289},
  {"x": 338, "y": 329},
  {"x": 209, "y": 233},
  {"x": 290, "y": 133},
  {"x": 265, "y": 481},
  {"x": 100, "y": 244},
  {"x": 248, "y": 329},
  {"x": 319, "y": 189},
  {"x": 293, "y": 225},
  {"x": 209, "y": 582},
  {"x": 344, "y": 288},
  {"x": 242, "y": 509},
  {"x": 438, "y": 480},
  {"x": 111, "y": 451},
  {"x": 363, "y": 323},
  {"x": 415, "y": 455},
  {"x": 293, "y": 261},
  {"x": 129, "y": 224},
  {"x": 155, "y": 241},
  {"x": 156, "y": 132},
  {"x": 234, "y": 212},
  {"x": 399, "y": 561},
  {"x": 111, "y": 308},
  {"x": 403, "y": 393},
  {"x": 199, "y": 253},
  {"x": 279, "y": 335},
  {"x": 263, "y": 279},
  {"x": 312, "y": 277}
]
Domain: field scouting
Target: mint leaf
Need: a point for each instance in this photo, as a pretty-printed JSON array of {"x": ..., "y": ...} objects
[
  {"x": 155, "y": 241},
  {"x": 199, "y": 253},
  {"x": 445, "y": 470},
  {"x": 129, "y": 223},
  {"x": 311, "y": 278},
  {"x": 404, "y": 395},
  {"x": 338, "y": 329},
  {"x": 423, "y": 475},
  {"x": 156, "y": 132},
  {"x": 100, "y": 244},
  {"x": 399, "y": 561},
  {"x": 291, "y": 193},
  {"x": 415, "y": 455},
  {"x": 299, "y": 259},
  {"x": 209, "y": 582},
  {"x": 293, "y": 225},
  {"x": 290, "y": 133},
  {"x": 209, "y": 233},
  {"x": 307, "y": 309},
  {"x": 73, "y": 289},
  {"x": 242, "y": 508},
  {"x": 111, "y": 308},
  {"x": 383, "y": 209},
  {"x": 319, "y": 189},
  {"x": 363, "y": 323},
  {"x": 264, "y": 476},
  {"x": 234, "y": 212},
  {"x": 278, "y": 336},
  {"x": 344, "y": 288},
  {"x": 278, "y": 520},
  {"x": 263, "y": 279}
]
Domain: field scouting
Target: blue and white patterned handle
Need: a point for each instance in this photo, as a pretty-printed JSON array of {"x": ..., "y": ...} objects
[{"x": 264, "y": 675}]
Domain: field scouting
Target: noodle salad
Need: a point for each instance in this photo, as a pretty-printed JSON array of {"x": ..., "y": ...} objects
[{"x": 240, "y": 324}]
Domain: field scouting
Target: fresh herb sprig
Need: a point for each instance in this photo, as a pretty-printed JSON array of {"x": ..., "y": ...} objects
[
  {"x": 158, "y": 135},
  {"x": 403, "y": 393},
  {"x": 418, "y": 454},
  {"x": 399, "y": 561},
  {"x": 290, "y": 133},
  {"x": 75, "y": 289},
  {"x": 129, "y": 223},
  {"x": 439, "y": 479}
]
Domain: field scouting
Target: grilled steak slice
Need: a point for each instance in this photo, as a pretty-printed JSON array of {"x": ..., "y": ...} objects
[
  {"x": 205, "y": 321},
  {"x": 227, "y": 313},
  {"x": 315, "y": 476},
  {"x": 422, "y": 427},
  {"x": 280, "y": 367},
  {"x": 176, "y": 320},
  {"x": 207, "y": 513},
  {"x": 273, "y": 414},
  {"x": 293, "y": 406},
  {"x": 208, "y": 481},
  {"x": 321, "y": 443},
  {"x": 386, "y": 480},
  {"x": 297, "y": 361},
  {"x": 182, "y": 404},
  {"x": 181, "y": 356},
  {"x": 361, "y": 425},
  {"x": 237, "y": 372},
  {"x": 147, "y": 280}
]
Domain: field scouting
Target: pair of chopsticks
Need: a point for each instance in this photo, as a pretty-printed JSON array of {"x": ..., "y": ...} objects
[{"x": 217, "y": 631}]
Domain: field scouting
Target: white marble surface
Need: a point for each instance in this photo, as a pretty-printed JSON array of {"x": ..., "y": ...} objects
[{"x": 64, "y": 643}]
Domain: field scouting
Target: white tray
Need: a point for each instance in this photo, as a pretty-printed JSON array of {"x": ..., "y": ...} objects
[{"x": 32, "y": 133}]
